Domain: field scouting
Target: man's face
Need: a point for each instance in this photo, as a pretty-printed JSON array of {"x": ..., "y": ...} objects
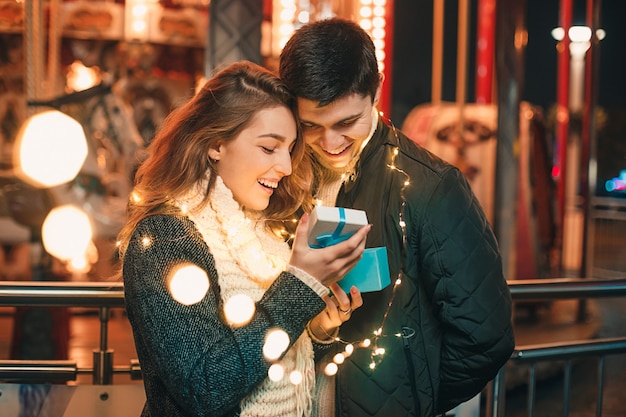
[{"x": 336, "y": 132}]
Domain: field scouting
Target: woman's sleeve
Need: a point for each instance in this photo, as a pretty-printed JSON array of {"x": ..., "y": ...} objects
[{"x": 205, "y": 365}]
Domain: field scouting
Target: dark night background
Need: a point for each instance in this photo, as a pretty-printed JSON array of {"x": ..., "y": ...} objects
[{"x": 411, "y": 78}]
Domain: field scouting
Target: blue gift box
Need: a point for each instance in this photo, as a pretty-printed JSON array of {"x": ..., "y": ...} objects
[
  {"x": 371, "y": 273},
  {"x": 331, "y": 225}
]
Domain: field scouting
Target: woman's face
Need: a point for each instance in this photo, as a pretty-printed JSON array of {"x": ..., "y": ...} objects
[{"x": 252, "y": 164}]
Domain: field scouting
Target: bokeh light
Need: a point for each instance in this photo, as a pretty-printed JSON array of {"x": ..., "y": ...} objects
[
  {"x": 295, "y": 377},
  {"x": 66, "y": 232},
  {"x": 331, "y": 369},
  {"x": 188, "y": 284},
  {"x": 50, "y": 149},
  {"x": 276, "y": 372},
  {"x": 276, "y": 343},
  {"x": 339, "y": 358},
  {"x": 349, "y": 349},
  {"x": 239, "y": 310}
]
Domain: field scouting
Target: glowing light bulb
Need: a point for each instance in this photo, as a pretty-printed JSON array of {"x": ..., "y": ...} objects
[
  {"x": 339, "y": 358},
  {"x": 295, "y": 377},
  {"x": 276, "y": 372},
  {"x": 188, "y": 284},
  {"x": 80, "y": 77},
  {"x": 331, "y": 369},
  {"x": 276, "y": 343},
  {"x": 239, "y": 309},
  {"x": 50, "y": 149},
  {"x": 66, "y": 232},
  {"x": 79, "y": 264}
]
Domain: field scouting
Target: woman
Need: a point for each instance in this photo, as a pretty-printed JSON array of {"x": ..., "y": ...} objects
[{"x": 223, "y": 171}]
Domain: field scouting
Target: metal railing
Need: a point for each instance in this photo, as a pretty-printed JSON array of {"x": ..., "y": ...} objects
[
  {"x": 104, "y": 296},
  {"x": 558, "y": 289}
]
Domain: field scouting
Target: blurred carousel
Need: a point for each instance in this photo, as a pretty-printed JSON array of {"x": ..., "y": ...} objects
[
  {"x": 81, "y": 95},
  {"x": 82, "y": 89}
]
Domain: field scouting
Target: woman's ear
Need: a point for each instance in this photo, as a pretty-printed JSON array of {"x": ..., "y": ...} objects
[
  {"x": 376, "y": 98},
  {"x": 215, "y": 153}
]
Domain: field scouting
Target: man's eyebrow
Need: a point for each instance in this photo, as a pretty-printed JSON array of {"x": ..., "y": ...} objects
[
  {"x": 351, "y": 117},
  {"x": 345, "y": 119}
]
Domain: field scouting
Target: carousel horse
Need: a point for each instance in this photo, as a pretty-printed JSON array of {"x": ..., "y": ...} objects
[
  {"x": 102, "y": 186},
  {"x": 104, "y": 183}
]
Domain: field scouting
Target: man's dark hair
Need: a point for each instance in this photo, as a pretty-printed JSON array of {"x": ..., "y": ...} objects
[{"x": 330, "y": 59}]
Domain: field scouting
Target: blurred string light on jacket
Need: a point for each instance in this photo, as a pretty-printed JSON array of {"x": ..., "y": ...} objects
[
  {"x": 239, "y": 310},
  {"x": 276, "y": 343},
  {"x": 295, "y": 377},
  {"x": 276, "y": 372},
  {"x": 188, "y": 283},
  {"x": 377, "y": 351}
]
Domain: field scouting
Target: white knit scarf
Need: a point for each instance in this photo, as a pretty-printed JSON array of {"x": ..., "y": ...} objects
[{"x": 248, "y": 258}]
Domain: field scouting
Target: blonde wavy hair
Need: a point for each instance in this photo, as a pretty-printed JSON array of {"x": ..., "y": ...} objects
[{"x": 177, "y": 158}]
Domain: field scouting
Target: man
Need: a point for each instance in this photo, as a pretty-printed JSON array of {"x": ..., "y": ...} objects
[{"x": 447, "y": 325}]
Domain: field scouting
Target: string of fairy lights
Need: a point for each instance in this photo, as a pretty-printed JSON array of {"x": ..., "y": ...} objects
[
  {"x": 188, "y": 284},
  {"x": 377, "y": 351}
]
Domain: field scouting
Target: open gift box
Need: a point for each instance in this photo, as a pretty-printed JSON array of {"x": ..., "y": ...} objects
[{"x": 331, "y": 225}]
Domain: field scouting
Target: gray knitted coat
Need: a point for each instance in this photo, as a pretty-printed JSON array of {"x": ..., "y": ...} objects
[{"x": 193, "y": 363}]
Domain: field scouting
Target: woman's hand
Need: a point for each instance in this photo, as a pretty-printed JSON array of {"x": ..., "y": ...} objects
[
  {"x": 328, "y": 265},
  {"x": 339, "y": 308}
]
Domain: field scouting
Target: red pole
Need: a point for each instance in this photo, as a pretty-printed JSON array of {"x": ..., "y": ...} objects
[
  {"x": 484, "y": 50},
  {"x": 562, "y": 115}
]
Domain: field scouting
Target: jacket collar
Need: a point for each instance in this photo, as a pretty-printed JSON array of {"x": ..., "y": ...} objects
[{"x": 380, "y": 138}]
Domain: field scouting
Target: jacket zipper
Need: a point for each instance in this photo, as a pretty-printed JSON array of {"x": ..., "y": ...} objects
[{"x": 407, "y": 333}]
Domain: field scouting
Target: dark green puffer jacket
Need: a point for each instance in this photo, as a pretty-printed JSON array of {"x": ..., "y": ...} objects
[
  {"x": 453, "y": 307},
  {"x": 192, "y": 363}
]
